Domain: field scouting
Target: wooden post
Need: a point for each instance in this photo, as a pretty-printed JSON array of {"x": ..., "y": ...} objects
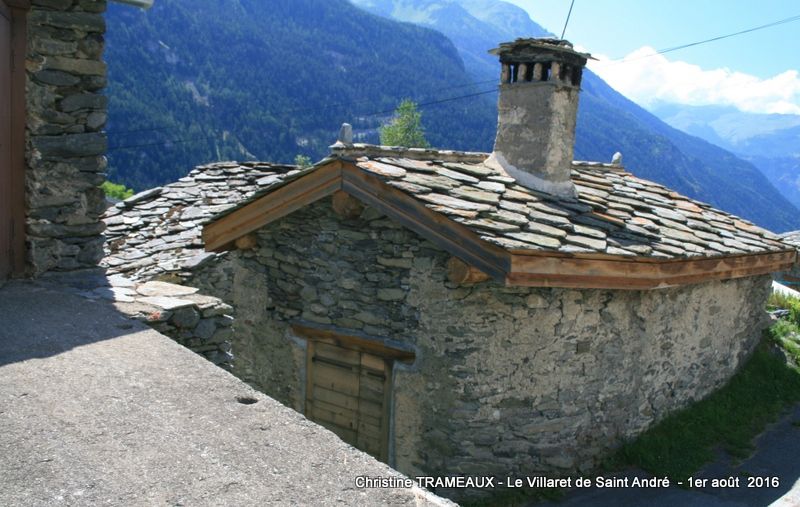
[
  {"x": 460, "y": 272},
  {"x": 346, "y": 206}
]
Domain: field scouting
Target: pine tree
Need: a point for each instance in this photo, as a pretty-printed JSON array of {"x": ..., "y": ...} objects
[{"x": 405, "y": 128}]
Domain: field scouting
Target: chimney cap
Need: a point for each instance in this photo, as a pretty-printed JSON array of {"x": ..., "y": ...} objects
[{"x": 533, "y": 49}]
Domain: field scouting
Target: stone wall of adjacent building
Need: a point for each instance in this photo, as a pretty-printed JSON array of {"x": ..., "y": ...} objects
[
  {"x": 506, "y": 380},
  {"x": 65, "y": 145}
]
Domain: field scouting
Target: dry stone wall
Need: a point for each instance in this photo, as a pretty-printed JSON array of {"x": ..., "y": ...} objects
[
  {"x": 65, "y": 145},
  {"x": 506, "y": 379}
]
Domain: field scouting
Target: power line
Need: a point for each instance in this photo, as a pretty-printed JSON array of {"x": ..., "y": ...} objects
[
  {"x": 300, "y": 110},
  {"x": 160, "y": 143},
  {"x": 327, "y": 106},
  {"x": 376, "y": 113},
  {"x": 571, "y": 5},
  {"x": 706, "y": 41},
  {"x": 147, "y": 129},
  {"x": 434, "y": 102}
]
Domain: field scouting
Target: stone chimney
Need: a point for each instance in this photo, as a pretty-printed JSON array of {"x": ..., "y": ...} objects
[{"x": 537, "y": 111}]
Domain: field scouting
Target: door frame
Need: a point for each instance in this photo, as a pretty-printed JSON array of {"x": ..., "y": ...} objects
[
  {"x": 16, "y": 12},
  {"x": 392, "y": 352}
]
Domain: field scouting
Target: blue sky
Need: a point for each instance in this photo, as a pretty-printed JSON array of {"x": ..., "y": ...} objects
[{"x": 760, "y": 67}]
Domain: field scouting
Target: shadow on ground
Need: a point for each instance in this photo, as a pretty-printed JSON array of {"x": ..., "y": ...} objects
[{"x": 60, "y": 322}]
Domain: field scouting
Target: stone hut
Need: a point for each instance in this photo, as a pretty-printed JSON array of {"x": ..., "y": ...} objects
[{"x": 466, "y": 313}]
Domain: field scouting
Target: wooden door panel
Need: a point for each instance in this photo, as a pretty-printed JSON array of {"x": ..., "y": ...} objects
[
  {"x": 347, "y": 419},
  {"x": 335, "y": 378},
  {"x": 347, "y": 391},
  {"x": 374, "y": 363},
  {"x": 334, "y": 398},
  {"x": 338, "y": 354}
]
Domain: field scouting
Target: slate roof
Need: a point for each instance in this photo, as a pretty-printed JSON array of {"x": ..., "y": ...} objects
[
  {"x": 791, "y": 237},
  {"x": 158, "y": 231},
  {"x": 615, "y": 212}
]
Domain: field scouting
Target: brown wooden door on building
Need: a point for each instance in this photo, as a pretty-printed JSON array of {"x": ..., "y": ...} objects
[
  {"x": 6, "y": 219},
  {"x": 348, "y": 392}
]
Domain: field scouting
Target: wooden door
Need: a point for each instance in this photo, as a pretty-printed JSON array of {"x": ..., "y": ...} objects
[
  {"x": 348, "y": 392},
  {"x": 6, "y": 217}
]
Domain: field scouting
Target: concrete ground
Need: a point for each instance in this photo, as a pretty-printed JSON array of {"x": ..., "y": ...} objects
[
  {"x": 777, "y": 455},
  {"x": 96, "y": 409}
]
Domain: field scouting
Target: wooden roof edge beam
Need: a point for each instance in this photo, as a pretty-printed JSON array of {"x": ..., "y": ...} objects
[
  {"x": 221, "y": 234},
  {"x": 629, "y": 274},
  {"x": 461, "y": 273},
  {"x": 346, "y": 206}
]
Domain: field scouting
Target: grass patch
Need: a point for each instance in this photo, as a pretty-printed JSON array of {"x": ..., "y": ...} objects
[
  {"x": 779, "y": 300},
  {"x": 731, "y": 417}
]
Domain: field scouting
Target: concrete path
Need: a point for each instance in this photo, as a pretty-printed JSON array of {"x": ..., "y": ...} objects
[
  {"x": 96, "y": 409},
  {"x": 777, "y": 455}
]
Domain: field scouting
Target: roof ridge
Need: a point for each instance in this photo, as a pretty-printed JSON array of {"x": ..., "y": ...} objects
[
  {"x": 375, "y": 150},
  {"x": 357, "y": 150}
]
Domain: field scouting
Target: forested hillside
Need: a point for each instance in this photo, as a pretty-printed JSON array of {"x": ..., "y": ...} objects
[{"x": 270, "y": 79}]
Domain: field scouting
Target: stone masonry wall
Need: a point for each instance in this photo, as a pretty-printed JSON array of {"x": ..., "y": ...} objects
[
  {"x": 506, "y": 379},
  {"x": 65, "y": 145}
]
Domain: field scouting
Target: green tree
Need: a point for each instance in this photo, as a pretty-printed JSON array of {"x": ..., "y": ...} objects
[
  {"x": 303, "y": 161},
  {"x": 406, "y": 128},
  {"x": 116, "y": 191}
]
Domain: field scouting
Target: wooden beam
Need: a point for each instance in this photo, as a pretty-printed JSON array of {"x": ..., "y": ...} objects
[
  {"x": 246, "y": 242},
  {"x": 346, "y": 206},
  {"x": 540, "y": 270},
  {"x": 374, "y": 346},
  {"x": 322, "y": 182},
  {"x": 435, "y": 227},
  {"x": 460, "y": 272},
  {"x": 477, "y": 260}
]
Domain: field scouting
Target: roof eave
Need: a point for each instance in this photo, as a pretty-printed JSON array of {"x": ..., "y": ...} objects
[
  {"x": 513, "y": 268},
  {"x": 540, "y": 269}
]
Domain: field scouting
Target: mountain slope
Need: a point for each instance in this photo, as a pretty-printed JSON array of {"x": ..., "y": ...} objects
[
  {"x": 268, "y": 79},
  {"x": 474, "y": 26},
  {"x": 690, "y": 165},
  {"x": 770, "y": 141},
  {"x": 607, "y": 121},
  {"x": 738, "y": 131}
]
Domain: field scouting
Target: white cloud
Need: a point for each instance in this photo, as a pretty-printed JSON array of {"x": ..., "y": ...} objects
[{"x": 645, "y": 77}]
